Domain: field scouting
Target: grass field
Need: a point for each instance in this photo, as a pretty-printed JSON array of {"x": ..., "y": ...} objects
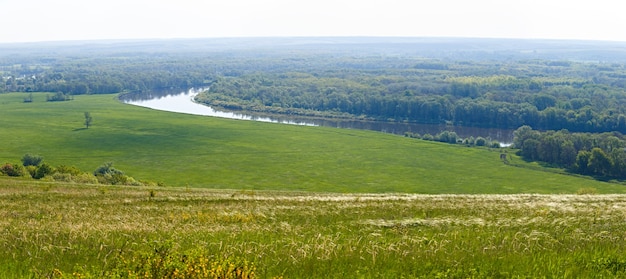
[
  {"x": 194, "y": 151},
  {"x": 267, "y": 201},
  {"x": 69, "y": 231}
]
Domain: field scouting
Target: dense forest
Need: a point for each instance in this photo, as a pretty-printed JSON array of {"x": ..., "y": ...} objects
[
  {"x": 579, "y": 96},
  {"x": 598, "y": 154},
  {"x": 548, "y": 85}
]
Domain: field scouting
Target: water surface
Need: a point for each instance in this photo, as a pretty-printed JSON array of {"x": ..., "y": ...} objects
[{"x": 182, "y": 102}]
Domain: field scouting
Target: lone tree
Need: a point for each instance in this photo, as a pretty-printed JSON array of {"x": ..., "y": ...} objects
[{"x": 88, "y": 119}]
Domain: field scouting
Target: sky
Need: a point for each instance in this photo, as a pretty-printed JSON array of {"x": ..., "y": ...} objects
[{"x": 60, "y": 20}]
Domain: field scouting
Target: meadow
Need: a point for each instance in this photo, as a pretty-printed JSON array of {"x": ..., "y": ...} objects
[
  {"x": 260, "y": 200},
  {"x": 54, "y": 230},
  {"x": 203, "y": 152}
]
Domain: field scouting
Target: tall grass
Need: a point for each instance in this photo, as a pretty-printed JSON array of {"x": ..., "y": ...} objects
[{"x": 57, "y": 230}]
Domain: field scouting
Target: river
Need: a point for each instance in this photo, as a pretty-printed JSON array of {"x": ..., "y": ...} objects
[{"x": 182, "y": 102}]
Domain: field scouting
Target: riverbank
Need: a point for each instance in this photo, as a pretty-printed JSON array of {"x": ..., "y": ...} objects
[{"x": 181, "y": 101}]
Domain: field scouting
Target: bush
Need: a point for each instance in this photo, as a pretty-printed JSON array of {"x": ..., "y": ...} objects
[
  {"x": 12, "y": 169},
  {"x": 107, "y": 168},
  {"x": 85, "y": 178},
  {"x": 31, "y": 160},
  {"x": 69, "y": 170},
  {"x": 114, "y": 179},
  {"x": 480, "y": 141},
  {"x": 43, "y": 170}
]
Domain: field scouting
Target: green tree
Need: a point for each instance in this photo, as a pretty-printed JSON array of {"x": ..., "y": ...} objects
[
  {"x": 599, "y": 162},
  {"x": 88, "y": 119},
  {"x": 522, "y": 134},
  {"x": 531, "y": 148},
  {"x": 31, "y": 160},
  {"x": 582, "y": 162},
  {"x": 568, "y": 154}
]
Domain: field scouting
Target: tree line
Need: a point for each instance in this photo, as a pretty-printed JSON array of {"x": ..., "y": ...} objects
[
  {"x": 433, "y": 86},
  {"x": 576, "y": 97},
  {"x": 596, "y": 154}
]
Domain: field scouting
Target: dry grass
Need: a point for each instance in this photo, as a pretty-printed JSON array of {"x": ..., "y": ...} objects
[{"x": 84, "y": 229}]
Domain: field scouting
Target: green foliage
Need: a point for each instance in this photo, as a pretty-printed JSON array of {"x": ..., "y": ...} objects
[
  {"x": 31, "y": 160},
  {"x": 492, "y": 88},
  {"x": 480, "y": 141},
  {"x": 489, "y": 99},
  {"x": 58, "y": 97},
  {"x": 43, "y": 170},
  {"x": 12, "y": 169},
  {"x": 162, "y": 262},
  {"x": 68, "y": 170},
  {"x": 107, "y": 174},
  {"x": 107, "y": 168},
  {"x": 601, "y": 155},
  {"x": 599, "y": 163},
  {"x": 615, "y": 266}
]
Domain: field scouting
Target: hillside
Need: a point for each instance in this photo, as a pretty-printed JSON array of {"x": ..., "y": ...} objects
[{"x": 193, "y": 151}]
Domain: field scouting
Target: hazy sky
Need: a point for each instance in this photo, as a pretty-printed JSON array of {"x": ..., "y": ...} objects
[{"x": 51, "y": 20}]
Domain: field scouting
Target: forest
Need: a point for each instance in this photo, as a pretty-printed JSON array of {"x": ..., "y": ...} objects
[
  {"x": 548, "y": 85},
  {"x": 597, "y": 154}
]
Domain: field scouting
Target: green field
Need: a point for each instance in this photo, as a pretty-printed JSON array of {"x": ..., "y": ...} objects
[
  {"x": 68, "y": 231},
  {"x": 194, "y": 151},
  {"x": 273, "y": 200}
]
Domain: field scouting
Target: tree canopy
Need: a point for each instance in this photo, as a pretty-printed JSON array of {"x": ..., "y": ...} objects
[{"x": 499, "y": 84}]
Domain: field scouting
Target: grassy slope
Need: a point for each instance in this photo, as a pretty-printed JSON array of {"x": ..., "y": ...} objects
[
  {"x": 52, "y": 229},
  {"x": 186, "y": 150}
]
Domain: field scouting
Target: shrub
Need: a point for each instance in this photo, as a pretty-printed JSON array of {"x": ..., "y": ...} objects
[
  {"x": 12, "y": 169},
  {"x": 85, "y": 178},
  {"x": 107, "y": 168},
  {"x": 31, "y": 160},
  {"x": 69, "y": 170},
  {"x": 113, "y": 179},
  {"x": 43, "y": 170},
  {"x": 480, "y": 141},
  {"x": 132, "y": 182}
]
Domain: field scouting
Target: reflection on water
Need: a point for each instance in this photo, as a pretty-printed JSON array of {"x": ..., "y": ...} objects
[{"x": 182, "y": 102}]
